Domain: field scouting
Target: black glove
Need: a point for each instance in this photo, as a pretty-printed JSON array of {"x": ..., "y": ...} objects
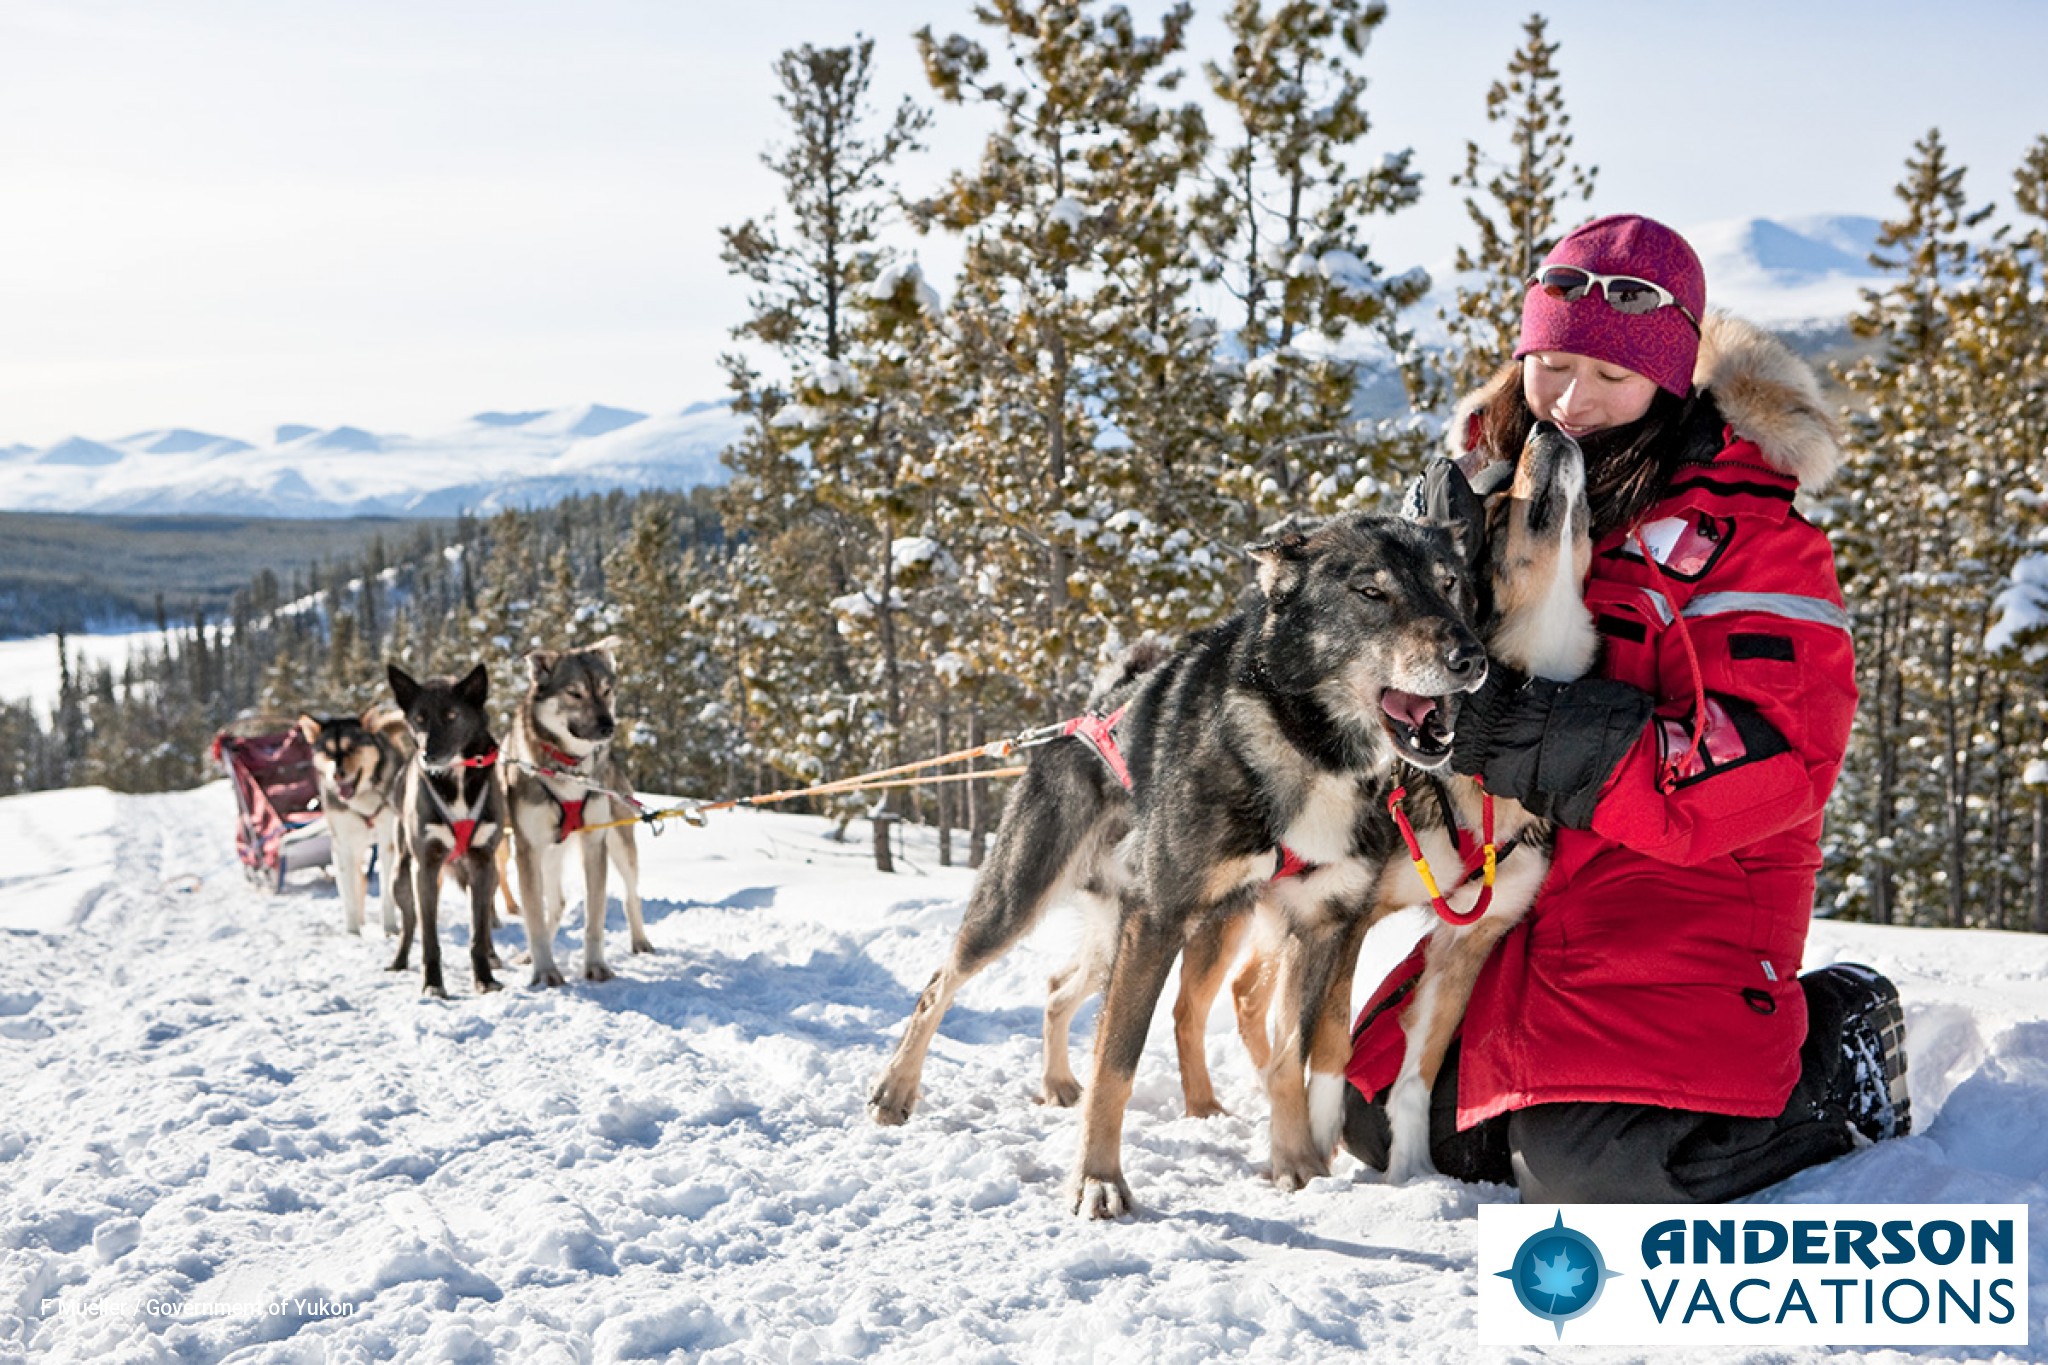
[{"x": 1549, "y": 745}]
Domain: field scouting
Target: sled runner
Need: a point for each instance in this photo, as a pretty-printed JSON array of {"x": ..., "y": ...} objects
[{"x": 278, "y": 824}]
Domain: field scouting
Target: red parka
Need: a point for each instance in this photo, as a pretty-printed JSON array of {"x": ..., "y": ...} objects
[{"x": 1658, "y": 964}]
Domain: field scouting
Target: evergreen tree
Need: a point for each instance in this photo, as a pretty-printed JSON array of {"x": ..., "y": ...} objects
[
  {"x": 1078, "y": 167},
  {"x": 1517, "y": 220},
  {"x": 804, "y": 499},
  {"x": 1286, "y": 219},
  {"x": 1897, "y": 546}
]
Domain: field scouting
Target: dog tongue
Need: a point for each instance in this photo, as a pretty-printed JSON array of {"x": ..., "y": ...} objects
[{"x": 1408, "y": 708}]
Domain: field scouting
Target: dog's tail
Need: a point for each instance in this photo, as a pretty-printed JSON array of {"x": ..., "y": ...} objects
[{"x": 1128, "y": 665}]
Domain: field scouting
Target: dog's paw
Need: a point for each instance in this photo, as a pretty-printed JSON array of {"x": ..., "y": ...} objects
[
  {"x": 1207, "y": 1109},
  {"x": 890, "y": 1105},
  {"x": 435, "y": 989},
  {"x": 401, "y": 963},
  {"x": 550, "y": 977},
  {"x": 1405, "y": 1164},
  {"x": 486, "y": 984},
  {"x": 1061, "y": 1092},
  {"x": 1102, "y": 1198},
  {"x": 596, "y": 971},
  {"x": 642, "y": 944},
  {"x": 1293, "y": 1170}
]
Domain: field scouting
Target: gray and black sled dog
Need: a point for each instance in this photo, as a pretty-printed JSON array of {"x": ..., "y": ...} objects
[
  {"x": 1528, "y": 534},
  {"x": 1260, "y": 758},
  {"x": 359, "y": 762},
  {"x": 451, "y": 813},
  {"x": 561, "y": 777}
]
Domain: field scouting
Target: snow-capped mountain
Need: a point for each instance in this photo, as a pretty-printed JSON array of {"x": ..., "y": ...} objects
[
  {"x": 1795, "y": 274},
  {"x": 1790, "y": 274},
  {"x": 493, "y": 460}
]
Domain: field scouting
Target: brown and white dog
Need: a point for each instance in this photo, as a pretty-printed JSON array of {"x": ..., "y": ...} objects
[
  {"x": 359, "y": 761},
  {"x": 561, "y": 778}
]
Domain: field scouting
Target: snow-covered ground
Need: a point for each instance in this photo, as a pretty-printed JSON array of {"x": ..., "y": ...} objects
[{"x": 213, "y": 1097}]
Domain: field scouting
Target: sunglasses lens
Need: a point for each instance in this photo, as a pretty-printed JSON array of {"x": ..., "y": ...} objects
[
  {"x": 1564, "y": 282},
  {"x": 1633, "y": 297}
]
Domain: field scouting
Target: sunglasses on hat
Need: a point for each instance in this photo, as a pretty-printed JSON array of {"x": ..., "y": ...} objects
[{"x": 1623, "y": 293}]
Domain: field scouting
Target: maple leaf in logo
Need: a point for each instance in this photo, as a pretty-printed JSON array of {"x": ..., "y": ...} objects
[{"x": 1557, "y": 1277}]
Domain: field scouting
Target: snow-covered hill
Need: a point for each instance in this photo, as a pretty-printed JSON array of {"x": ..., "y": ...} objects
[
  {"x": 493, "y": 460},
  {"x": 213, "y": 1097}
]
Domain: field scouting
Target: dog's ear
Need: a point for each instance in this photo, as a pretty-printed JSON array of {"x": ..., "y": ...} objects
[
  {"x": 540, "y": 663},
  {"x": 404, "y": 687},
  {"x": 310, "y": 728},
  {"x": 606, "y": 649},
  {"x": 475, "y": 686},
  {"x": 1443, "y": 497},
  {"x": 1280, "y": 557}
]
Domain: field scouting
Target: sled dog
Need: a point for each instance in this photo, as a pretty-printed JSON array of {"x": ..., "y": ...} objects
[
  {"x": 451, "y": 813},
  {"x": 1010, "y": 897},
  {"x": 1259, "y": 757},
  {"x": 1533, "y": 559},
  {"x": 561, "y": 776},
  {"x": 1528, "y": 537},
  {"x": 358, "y": 762}
]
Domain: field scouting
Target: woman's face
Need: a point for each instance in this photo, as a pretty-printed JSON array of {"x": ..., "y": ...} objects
[{"x": 1583, "y": 395}]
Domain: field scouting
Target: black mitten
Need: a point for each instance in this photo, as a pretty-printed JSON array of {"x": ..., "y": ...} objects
[{"x": 1549, "y": 745}]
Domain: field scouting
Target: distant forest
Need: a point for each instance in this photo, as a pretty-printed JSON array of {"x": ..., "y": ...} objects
[{"x": 73, "y": 573}]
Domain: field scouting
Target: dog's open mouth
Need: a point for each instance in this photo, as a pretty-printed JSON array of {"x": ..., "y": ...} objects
[
  {"x": 346, "y": 786},
  {"x": 1417, "y": 725}
]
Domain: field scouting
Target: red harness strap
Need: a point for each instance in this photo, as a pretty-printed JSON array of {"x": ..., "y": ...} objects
[
  {"x": 1488, "y": 860},
  {"x": 1097, "y": 733},
  {"x": 572, "y": 817},
  {"x": 465, "y": 830},
  {"x": 1287, "y": 863}
]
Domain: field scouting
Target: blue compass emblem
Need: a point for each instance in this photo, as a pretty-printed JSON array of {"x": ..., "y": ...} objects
[{"x": 1558, "y": 1274}]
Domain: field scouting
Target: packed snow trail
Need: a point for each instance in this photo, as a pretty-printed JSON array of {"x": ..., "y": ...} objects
[{"x": 218, "y": 1103}]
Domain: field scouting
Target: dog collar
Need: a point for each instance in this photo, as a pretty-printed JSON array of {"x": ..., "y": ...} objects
[
  {"x": 556, "y": 756},
  {"x": 482, "y": 760}
]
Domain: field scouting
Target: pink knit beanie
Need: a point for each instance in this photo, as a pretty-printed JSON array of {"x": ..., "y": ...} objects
[{"x": 1660, "y": 345}]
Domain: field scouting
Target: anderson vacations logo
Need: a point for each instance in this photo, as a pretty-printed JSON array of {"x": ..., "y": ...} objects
[{"x": 1753, "y": 1275}]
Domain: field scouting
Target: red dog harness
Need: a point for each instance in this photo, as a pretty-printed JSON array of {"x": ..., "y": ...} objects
[
  {"x": 465, "y": 830},
  {"x": 1099, "y": 734},
  {"x": 572, "y": 811}
]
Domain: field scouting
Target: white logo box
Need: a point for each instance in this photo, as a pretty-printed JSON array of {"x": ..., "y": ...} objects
[{"x": 1770, "y": 1274}]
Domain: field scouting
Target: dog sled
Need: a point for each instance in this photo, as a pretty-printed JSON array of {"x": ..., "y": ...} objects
[{"x": 279, "y": 827}]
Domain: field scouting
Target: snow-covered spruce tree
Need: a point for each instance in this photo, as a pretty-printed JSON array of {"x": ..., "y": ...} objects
[
  {"x": 800, "y": 500},
  {"x": 1286, "y": 216},
  {"x": 1999, "y": 341},
  {"x": 1078, "y": 168},
  {"x": 674, "y": 730},
  {"x": 1895, "y": 533},
  {"x": 1515, "y": 210}
]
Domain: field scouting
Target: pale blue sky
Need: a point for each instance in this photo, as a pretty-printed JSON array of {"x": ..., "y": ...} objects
[{"x": 229, "y": 214}]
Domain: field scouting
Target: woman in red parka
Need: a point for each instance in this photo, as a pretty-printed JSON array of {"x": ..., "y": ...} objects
[{"x": 1644, "y": 1034}]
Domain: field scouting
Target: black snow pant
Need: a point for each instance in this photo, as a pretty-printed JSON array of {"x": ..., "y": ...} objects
[{"x": 1591, "y": 1152}]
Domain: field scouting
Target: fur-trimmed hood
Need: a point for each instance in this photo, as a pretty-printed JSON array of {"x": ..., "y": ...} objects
[{"x": 1765, "y": 393}]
